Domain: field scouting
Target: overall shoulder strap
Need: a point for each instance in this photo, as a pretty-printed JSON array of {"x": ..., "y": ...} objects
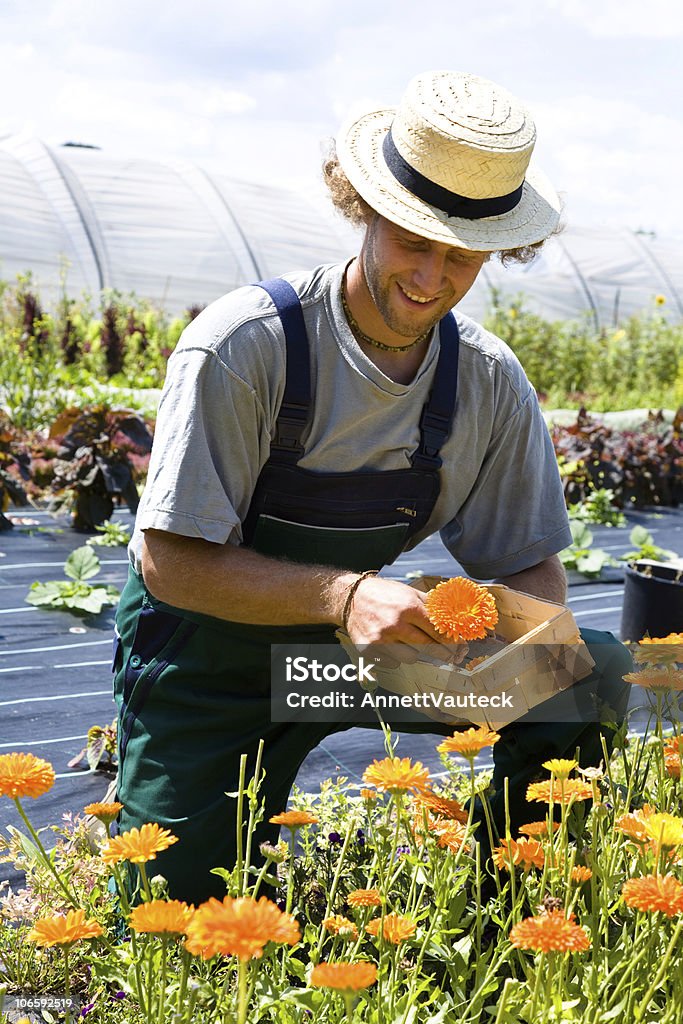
[
  {"x": 293, "y": 415},
  {"x": 439, "y": 409}
]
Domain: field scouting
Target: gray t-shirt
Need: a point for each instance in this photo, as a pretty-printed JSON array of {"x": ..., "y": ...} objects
[{"x": 501, "y": 507}]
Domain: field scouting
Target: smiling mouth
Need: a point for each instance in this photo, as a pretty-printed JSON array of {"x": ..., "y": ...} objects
[{"x": 420, "y": 299}]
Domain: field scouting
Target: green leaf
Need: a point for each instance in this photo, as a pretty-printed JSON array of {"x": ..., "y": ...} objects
[
  {"x": 42, "y": 594},
  {"x": 581, "y": 535},
  {"x": 82, "y": 564}
]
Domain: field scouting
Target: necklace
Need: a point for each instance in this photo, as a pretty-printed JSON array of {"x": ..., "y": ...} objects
[{"x": 362, "y": 336}]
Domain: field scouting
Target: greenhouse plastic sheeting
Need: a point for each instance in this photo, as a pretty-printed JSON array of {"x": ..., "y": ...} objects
[{"x": 178, "y": 235}]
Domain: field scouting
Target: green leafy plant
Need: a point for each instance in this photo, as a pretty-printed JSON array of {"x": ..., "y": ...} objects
[
  {"x": 75, "y": 594},
  {"x": 598, "y": 507},
  {"x": 112, "y": 535},
  {"x": 645, "y": 547},
  {"x": 581, "y": 555},
  {"x": 100, "y": 748}
]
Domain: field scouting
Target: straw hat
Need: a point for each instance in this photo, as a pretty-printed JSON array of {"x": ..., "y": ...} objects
[{"x": 452, "y": 164}]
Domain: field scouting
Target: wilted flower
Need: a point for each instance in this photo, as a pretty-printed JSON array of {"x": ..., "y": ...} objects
[
  {"x": 340, "y": 925},
  {"x": 443, "y": 808},
  {"x": 461, "y": 609}
]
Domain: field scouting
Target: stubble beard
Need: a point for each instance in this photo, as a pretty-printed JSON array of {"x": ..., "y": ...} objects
[{"x": 380, "y": 293}]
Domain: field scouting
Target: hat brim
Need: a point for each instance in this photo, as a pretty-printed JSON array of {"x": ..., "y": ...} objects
[{"x": 359, "y": 149}]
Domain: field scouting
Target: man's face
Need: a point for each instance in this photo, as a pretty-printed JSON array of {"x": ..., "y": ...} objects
[{"x": 413, "y": 281}]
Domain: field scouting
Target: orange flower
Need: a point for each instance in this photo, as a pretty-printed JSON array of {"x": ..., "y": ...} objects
[
  {"x": 364, "y": 898},
  {"x": 340, "y": 925},
  {"x": 469, "y": 742},
  {"x": 395, "y": 928},
  {"x": 63, "y": 931},
  {"x": 472, "y": 664},
  {"x": 550, "y": 933},
  {"x": 161, "y": 917},
  {"x": 581, "y": 874},
  {"x": 450, "y": 834},
  {"x": 397, "y": 774},
  {"x": 105, "y": 812},
  {"x": 461, "y": 609},
  {"x": 653, "y": 893},
  {"x": 138, "y": 845},
  {"x": 538, "y": 828},
  {"x": 564, "y": 792},
  {"x": 664, "y": 829},
  {"x": 369, "y": 794},
  {"x": 239, "y": 927},
  {"x": 672, "y": 764},
  {"x": 524, "y": 853},
  {"x": 665, "y": 678},
  {"x": 293, "y": 819},
  {"x": 344, "y": 977},
  {"x": 442, "y": 807},
  {"x": 673, "y": 746},
  {"x": 25, "y": 775},
  {"x": 672, "y": 638},
  {"x": 633, "y": 825}
]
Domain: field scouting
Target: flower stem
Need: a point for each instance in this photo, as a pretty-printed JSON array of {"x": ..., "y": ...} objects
[{"x": 44, "y": 856}]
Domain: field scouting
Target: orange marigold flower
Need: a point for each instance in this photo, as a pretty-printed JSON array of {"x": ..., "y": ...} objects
[
  {"x": 397, "y": 774},
  {"x": 564, "y": 792},
  {"x": 344, "y": 977},
  {"x": 633, "y": 824},
  {"x": 239, "y": 927},
  {"x": 474, "y": 662},
  {"x": 61, "y": 930},
  {"x": 469, "y": 742},
  {"x": 340, "y": 925},
  {"x": 538, "y": 828},
  {"x": 369, "y": 794},
  {"x": 138, "y": 845},
  {"x": 581, "y": 874},
  {"x": 293, "y": 819},
  {"x": 395, "y": 928},
  {"x": 654, "y": 893},
  {"x": 449, "y": 834},
  {"x": 105, "y": 812},
  {"x": 523, "y": 853},
  {"x": 673, "y": 746},
  {"x": 665, "y": 678},
  {"x": 560, "y": 766},
  {"x": 364, "y": 898},
  {"x": 25, "y": 775},
  {"x": 442, "y": 807},
  {"x": 161, "y": 917},
  {"x": 671, "y": 638},
  {"x": 550, "y": 933},
  {"x": 461, "y": 609},
  {"x": 672, "y": 764}
]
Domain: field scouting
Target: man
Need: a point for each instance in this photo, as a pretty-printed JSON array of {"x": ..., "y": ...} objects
[{"x": 311, "y": 430}]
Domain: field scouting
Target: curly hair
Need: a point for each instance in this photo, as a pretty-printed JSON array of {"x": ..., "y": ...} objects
[{"x": 351, "y": 205}]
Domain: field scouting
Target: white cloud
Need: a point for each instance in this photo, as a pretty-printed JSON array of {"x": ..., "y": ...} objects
[{"x": 657, "y": 19}]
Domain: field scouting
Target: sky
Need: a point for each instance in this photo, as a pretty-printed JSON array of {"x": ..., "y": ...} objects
[{"x": 252, "y": 88}]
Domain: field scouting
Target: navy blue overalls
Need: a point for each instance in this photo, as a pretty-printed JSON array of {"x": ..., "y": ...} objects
[{"x": 193, "y": 691}]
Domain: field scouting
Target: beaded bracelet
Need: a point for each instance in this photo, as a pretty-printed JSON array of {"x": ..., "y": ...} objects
[{"x": 352, "y": 593}]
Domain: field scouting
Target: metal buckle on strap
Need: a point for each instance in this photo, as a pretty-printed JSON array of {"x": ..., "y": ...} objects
[{"x": 289, "y": 427}]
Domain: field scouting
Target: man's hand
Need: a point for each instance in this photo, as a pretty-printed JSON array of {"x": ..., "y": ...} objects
[{"x": 392, "y": 618}]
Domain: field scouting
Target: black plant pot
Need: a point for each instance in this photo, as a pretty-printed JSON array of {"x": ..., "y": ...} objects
[{"x": 653, "y": 601}]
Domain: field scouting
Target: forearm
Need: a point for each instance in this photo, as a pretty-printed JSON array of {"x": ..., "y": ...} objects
[
  {"x": 547, "y": 581},
  {"x": 240, "y": 585}
]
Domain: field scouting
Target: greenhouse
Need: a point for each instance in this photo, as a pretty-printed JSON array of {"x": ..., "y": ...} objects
[{"x": 180, "y": 236}]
